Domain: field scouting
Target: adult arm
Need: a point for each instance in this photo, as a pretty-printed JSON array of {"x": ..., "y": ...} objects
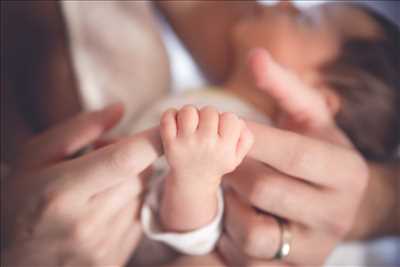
[{"x": 205, "y": 28}]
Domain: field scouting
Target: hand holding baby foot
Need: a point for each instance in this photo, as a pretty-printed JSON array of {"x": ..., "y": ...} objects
[{"x": 200, "y": 146}]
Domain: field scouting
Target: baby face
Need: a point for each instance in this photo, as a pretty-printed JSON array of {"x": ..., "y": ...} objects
[{"x": 302, "y": 40}]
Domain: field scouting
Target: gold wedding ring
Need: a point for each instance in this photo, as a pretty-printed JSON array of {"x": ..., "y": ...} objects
[{"x": 286, "y": 238}]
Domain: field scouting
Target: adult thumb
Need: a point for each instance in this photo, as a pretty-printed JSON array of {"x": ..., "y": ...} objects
[{"x": 66, "y": 138}]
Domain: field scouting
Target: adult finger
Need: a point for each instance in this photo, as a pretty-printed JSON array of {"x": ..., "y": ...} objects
[
  {"x": 307, "y": 158},
  {"x": 231, "y": 255},
  {"x": 278, "y": 194},
  {"x": 258, "y": 234},
  {"x": 103, "y": 142},
  {"x": 302, "y": 104},
  {"x": 253, "y": 233},
  {"x": 115, "y": 249},
  {"x": 109, "y": 166},
  {"x": 67, "y": 138},
  {"x": 129, "y": 241},
  {"x": 107, "y": 202}
]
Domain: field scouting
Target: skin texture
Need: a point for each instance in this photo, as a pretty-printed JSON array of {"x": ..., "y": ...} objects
[
  {"x": 75, "y": 201},
  {"x": 291, "y": 178},
  {"x": 285, "y": 173},
  {"x": 194, "y": 139},
  {"x": 288, "y": 75},
  {"x": 35, "y": 248},
  {"x": 300, "y": 41}
]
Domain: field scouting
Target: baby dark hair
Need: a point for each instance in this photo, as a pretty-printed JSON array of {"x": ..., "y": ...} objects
[{"x": 366, "y": 76}]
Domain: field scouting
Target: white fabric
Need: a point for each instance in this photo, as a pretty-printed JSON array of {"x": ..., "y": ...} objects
[
  {"x": 198, "y": 242},
  {"x": 117, "y": 54},
  {"x": 379, "y": 252}
]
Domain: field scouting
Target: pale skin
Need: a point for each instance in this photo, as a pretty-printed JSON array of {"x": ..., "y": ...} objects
[
  {"x": 384, "y": 176},
  {"x": 200, "y": 146},
  {"x": 275, "y": 191},
  {"x": 288, "y": 74},
  {"x": 284, "y": 181},
  {"x": 66, "y": 207}
]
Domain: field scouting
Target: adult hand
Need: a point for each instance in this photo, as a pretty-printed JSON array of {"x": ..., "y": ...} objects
[
  {"x": 313, "y": 179},
  {"x": 82, "y": 211}
]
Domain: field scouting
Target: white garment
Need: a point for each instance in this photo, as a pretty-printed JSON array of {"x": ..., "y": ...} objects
[
  {"x": 117, "y": 54},
  {"x": 198, "y": 242}
]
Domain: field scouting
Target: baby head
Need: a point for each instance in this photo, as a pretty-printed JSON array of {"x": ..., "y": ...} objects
[{"x": 348, "y": 53}]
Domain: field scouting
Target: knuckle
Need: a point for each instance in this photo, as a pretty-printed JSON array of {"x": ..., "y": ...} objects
[
  {"x": 335, "y": 221},
  {"x": 300, "y": 159},
  {"x": 229, "y": 167},
  {"x": 119, "y": 158},
  {"x": 248, "y": 140},
  {"x": 168, "y": 114},
  {"x": 247, "y": 134},
  {"x": 254, "y": 243},
  {"x": 229, "y": 116},
  {"x": 171, "y": 111},
  {"x": 186, "y": 118},
  {"x": 54, "y": 201},
  {"x": 165, "y": 126},
  {"x": 165, "y": 120},
  {"x": 242, "y": 124},
  {"x": 209, "y": 109},
  {"x": 208, "y": 146},
  {"x": 189, "y": 109},
  {"x": 355, "y": 179},
  {"x": 260, "y": 190},
  {"x": 339, "y": 227},
  {"x": 249, "y": 240},
  {"x": 81, "y": 232}
]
